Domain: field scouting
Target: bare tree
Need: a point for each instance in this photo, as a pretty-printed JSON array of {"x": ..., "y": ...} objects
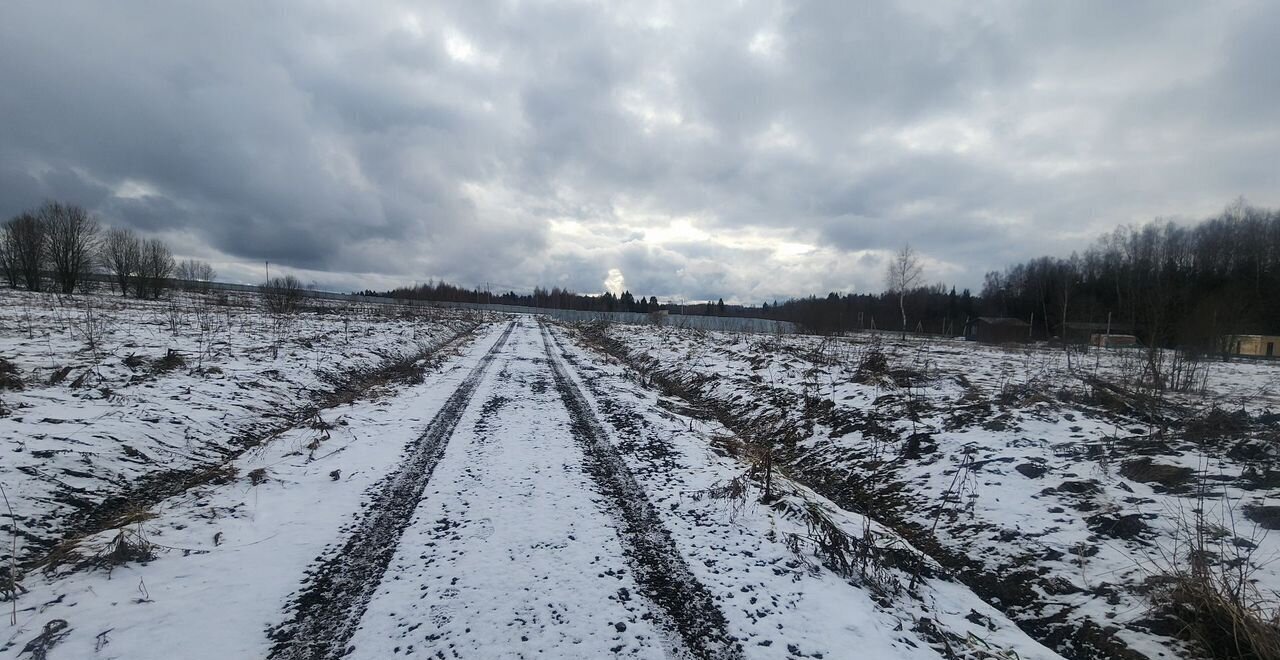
[
  {"x": 24, "y": 248},
  {"x": 282, "y": 296},
  {"x": 195, "y": 274},
  {"x": 905, "y": 272},
  {"x": 9, "y": 261},
  {"x": 72, "y": 236},
  {"x": 120, "y": 253},
  {"x": 154, "y": 268}
]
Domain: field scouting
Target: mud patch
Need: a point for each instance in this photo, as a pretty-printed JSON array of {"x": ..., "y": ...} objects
[{"x": 685, "y": 603}]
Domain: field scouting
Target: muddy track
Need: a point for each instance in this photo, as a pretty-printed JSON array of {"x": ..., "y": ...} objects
[
  {"x": 324, "y": 615},
  {"x": 659, "y": 568}
]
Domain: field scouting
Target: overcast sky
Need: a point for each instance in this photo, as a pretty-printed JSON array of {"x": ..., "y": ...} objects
[{"x": 750, "y": 150}]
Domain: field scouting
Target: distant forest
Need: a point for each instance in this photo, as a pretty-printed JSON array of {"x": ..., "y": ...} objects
[
  {"x": 1169, "y": 284},
  {"x": 1173, "y": 285},
  {"x": 554, "y": 298}
]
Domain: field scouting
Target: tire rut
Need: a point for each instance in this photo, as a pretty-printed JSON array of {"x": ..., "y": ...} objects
[
  {"x": 327, "y": 610},
  {"x": 659, "y": 568}
]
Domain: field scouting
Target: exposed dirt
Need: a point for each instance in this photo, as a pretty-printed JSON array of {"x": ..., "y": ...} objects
[
  {"x": 886, "y": 501},
  {"x": 659, "y": 568}
]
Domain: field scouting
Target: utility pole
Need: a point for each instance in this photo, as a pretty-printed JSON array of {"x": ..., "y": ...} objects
[{"x": 268, "y": 271}]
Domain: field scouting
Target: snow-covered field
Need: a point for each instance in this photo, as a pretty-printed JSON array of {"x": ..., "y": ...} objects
[
  {"x": 1053, "y": 495},
  {"x": 109, "y": 403},
  {"x": 383, "y": 482}
]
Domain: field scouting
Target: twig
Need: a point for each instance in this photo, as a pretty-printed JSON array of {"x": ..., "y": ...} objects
[{"x": 13, "y": 558}]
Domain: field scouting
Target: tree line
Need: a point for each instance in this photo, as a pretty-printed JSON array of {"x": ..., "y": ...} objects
[
  {"x": 1188, "y": 286},
  {"x": 933, "y": 309},
  {"x": 61, "y": 247},
  {"x": 1172, "y": 285},
  {"x": 558, "y": 298},
  {"x": 553, "y": 298},
  {"x": 929, "y": 308}
]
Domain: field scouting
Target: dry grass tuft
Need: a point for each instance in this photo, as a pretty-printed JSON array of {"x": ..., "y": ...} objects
[
  {"x": 128, "y": 546},
  {"x": 132, "y": 516},
  {"x": 1207, "y": 585},
  {"x": 734, "y": 491},
  {"x": 54, "y": 631},
  {"x": 66, "y": 552},
  {"x": 10, "y": 377},
  {"x": 171, "y": 360},
  {"x": 1221, "y": 610},
  {"x": 59, "y": 375},
  {"x": 846, "y": 554},
  {"x": 826, "y": 539}
]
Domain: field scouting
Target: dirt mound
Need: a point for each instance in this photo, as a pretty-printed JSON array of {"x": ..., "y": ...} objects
[
  {"x": 1031, "y": 470},
  {"x": 1127, "y": 527},
  {"x": 1218, "y": 424},
  {"x": 1267, "y": 517},
  {"x": 1170, "y": 478}
]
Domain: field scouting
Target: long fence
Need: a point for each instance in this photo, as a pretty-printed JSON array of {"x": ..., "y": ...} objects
[{"x": 710, "y": 323}]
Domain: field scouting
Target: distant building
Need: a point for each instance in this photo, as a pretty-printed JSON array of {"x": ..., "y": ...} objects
[
  {"x": 999, "y": 330},
  {"x": 1255, "y": 345},
  {"x": 1079, "y": 332},
  {"x": 1113, "y": 340}
]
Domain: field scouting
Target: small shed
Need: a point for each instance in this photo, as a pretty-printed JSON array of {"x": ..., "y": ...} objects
[
  {"x": 1255, "y": 345},
  {"x": 1113, "y": 340},
  {"x": 999, "y": 330},
  {"x": 1079, "y": 332}
]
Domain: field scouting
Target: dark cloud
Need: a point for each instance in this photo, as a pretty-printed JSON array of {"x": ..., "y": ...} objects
[{"x": 749, "y": 150}]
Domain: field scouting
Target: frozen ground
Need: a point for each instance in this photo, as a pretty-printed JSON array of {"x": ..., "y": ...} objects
[
  {"x": 522, "y": 496},
  {"x": 108, "y": 404},
  {"x": 1050, "y": 485}
]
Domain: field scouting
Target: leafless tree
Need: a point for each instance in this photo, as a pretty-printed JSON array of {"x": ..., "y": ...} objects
[
  {"x": 9, "y": 262},
  {"x": 72, "y": 236},
  {"x": 24, "y": 250},
  {"x": 195, "y": 274},
  {"x": 120, "y": 253},
  {"x": 905, "y": 272},
  {"x": 282, "y": 296},
  {"x": 154, "y": 268}
]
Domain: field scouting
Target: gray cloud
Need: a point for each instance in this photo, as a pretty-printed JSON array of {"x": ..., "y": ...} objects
[{"x": 749, "y": 150}]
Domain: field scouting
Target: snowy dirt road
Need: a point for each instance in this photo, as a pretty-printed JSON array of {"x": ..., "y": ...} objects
[
  {"x": 531, "y": 536},
  {"x": 526, "y": 500}
]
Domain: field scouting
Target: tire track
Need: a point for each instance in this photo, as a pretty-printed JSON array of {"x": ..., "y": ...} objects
[
  {"x": 663, "y": 574},
  {"x": 337, "y": 592}
]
